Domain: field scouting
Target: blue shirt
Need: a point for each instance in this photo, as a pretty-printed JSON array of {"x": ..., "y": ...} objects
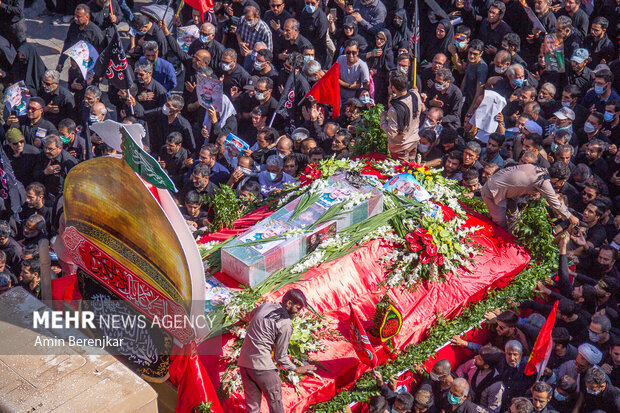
[
  {"x": 591, "y": 98},
  {"x": 219, "y": 174},
  {"x": 267, "y": 184},
  {"x": 163, "y": 72}
]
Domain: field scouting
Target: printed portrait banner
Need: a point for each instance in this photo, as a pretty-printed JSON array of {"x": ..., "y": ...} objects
[
  {"x": 209, "y": 92},
  {"x": 186, "y": 36},
  {"x": 16, "y": 98},
  {"x": 233, "y": 148},
  {"x": 130, "y": 287},
  {"x": 554, "y": 54},
  {"x": 85, "y": 55}
]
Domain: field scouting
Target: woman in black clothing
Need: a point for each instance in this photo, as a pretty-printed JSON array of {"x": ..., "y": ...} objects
[
  {"x": 28, "y": 67},
  {"x": 444, "y": 36},
  {"x": 349, "y": 32},
  {"x": 380, "y": 62},
  {"x": 401, "y": 34}
]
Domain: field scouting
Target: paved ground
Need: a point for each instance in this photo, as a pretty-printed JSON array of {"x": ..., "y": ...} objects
[{"x": 48, "y": 35}]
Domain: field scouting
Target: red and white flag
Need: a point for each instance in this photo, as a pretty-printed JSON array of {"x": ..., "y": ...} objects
[
  {"x": 327, "y": 89},
  {"x": 543, "y": 346},
  {"x": 360, "y": 340}
]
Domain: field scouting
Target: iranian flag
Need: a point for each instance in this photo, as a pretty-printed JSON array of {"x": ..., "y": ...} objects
[
  {"x": 543, "y": 346},
  {"x": 360, "y": 340}
]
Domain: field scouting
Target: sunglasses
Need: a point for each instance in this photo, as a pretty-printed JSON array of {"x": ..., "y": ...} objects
[{"x": 350, "y": 52}]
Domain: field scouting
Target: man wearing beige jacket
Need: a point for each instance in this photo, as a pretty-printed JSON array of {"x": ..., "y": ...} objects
[{"x": 401, "y": 121}]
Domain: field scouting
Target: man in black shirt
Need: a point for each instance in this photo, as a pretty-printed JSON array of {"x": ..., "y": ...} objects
[
  {"x": 199, "y": 181},
  {"x": 81, "y": 29},
  {"x": 599, "y": 395},
  {"x": 33, "y": 126},
  {"x": 72, "y": 142},
  {"x": 151, "y": 94},
  {"x": 36, "y": 203},
  {"x": 12, "y": 22},
  {"x": 291, "y": 41},
  {"x": 275, "y": 18},
  {"x": 172, "y": 158},
  {"x": 578, "y": 17},
  {"x": 146, "y": 31},
  {"x": 167, "y": 119},
  {"x": 10, "y": 247},
  {"x": 234, "y": 74},
  {"x": 493, "y": 28},
  {"x": 206, "y": 41},
  {"x": 53, "y": 166},
  {"x": 21, "y": 155},
  {"x": 100, "y": 13},
  {"x": 598, "y": 42},
  {"x": 59, "y": 102}
]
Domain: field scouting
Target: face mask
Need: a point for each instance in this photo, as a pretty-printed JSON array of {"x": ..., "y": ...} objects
[
  {"x": 608, "y": 116},
  {"x": 461, "y": 45},
  {"x": 226, "y": 67},
  {"x": 251, "y": 24},
  {"x": 614, "y": 245},
  {"x": 65, "y": 139},
  {"x": 434, "y": 377},
  {"x": 272, "y": 176},
  {"x": 554, "y": 147},
  {"x": 567, "y": 104},
  {"x": 518, "y": 82},
  {"x": 599, "y": 90},
  {"x": 500, "y": 70},
  {"x": 588, "y": 127},
  {"x": 204, "y": 39},
  {"x": 593, "y": 337},
  {"x": 310, "y": 9},
  {"x": 403, "y": 69},
  {"x": 440, "y": 86},
  {"x": 453, "y": 400},
  {"x": 423, "y": 148},
  {"x": 93, "y": 118},
  {"x": 245, "y": 171},
  {"x": 592, "y": 392},
  {"x": 428, "y": 124},
  {"x": 258, "y": 65},
  {"x": 559, "y": 397},
  {"x": 260, "y": 96},
  {"x": 365, "y": 99},
  {"x": 165, "y": 110},
  {"x": 308, "y": 58},
  {"x": 568, "y": 128}
]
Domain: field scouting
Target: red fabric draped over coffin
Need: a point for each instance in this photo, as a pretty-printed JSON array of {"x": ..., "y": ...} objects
[{"x": 354, "y": 278}]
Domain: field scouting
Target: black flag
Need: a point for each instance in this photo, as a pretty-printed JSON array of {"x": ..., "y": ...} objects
[
  {"x": 287, "y": 100},
  {"x": 113, "y": 62}
]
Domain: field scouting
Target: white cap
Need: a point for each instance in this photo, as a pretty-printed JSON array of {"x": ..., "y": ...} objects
[{"x": 565, "y": 113}]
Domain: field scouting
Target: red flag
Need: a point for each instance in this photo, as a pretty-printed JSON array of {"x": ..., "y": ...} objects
[
  {"x": 202, "y": 6},
  {"x": 360, "y": 341},
  {"x": 193, "y": 384},
  {"x": 327, "y": 89},
  {"x": 542, "y": 348}
]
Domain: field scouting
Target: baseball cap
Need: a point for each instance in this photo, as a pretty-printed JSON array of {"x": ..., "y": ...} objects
[
  {"x": 565, "y": 113},
  {"x": 580, "y": 55},
  {"x": 14, "y": 135},
  {"x": 533, "y": 127},
  {"x": 251, "y": 83}
]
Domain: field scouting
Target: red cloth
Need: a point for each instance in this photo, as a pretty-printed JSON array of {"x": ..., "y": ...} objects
[
  {"x": 202, "y": 6},
  {"x": 543, "y": 345},
  {"x": 327, "y": 89},
  {"x": 353, "y": 278},
  {"x": 360, "y": 341},
  {"x": 192, "y": 381},
  {"x": 240, "y": 226}
]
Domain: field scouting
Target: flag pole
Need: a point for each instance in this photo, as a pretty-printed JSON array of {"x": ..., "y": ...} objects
[{"x": 415, "y": 71}]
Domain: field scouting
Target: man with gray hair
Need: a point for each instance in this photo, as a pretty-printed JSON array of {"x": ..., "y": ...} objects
[
  {"x": 53, "y": 165},
  {"x": 599, "y": 395},
  {"x": 599, "y": 334},
  {"x": 273, "y": 179},
  {"x": 292, "y": 41},
  {"x": 59, "y": 102},
  {"x": 163, "y": 70},
  {"x": 205, "y": 41},
  {"x": 457, "y": 399},
  {"x": 151, "y": 94}
]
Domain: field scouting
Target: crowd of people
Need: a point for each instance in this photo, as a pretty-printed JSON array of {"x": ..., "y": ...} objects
[{"x": 555, "y": 64}]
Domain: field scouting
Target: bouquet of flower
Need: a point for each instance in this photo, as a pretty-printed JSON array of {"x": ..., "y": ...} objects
[{"x": 434, "y": 247}]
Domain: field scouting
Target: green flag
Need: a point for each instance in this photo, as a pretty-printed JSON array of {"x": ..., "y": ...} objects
[{"x": 144, "y": 164}]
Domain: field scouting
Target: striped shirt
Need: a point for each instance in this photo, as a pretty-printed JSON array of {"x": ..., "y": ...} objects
[{"x": 252, "y": 35}]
